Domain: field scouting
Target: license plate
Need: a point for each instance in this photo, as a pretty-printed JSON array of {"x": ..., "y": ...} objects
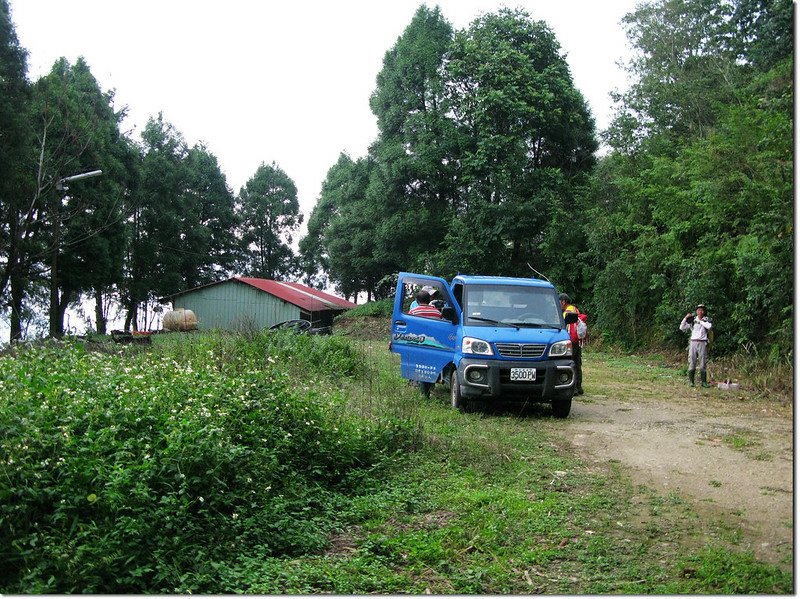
[{"x": 523, "y": 374}]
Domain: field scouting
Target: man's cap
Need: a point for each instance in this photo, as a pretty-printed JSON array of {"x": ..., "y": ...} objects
[
  {"x": 429, "y": 289},
  {"x": 564, "y": 297},
  {"x": 703, "y": 306}
]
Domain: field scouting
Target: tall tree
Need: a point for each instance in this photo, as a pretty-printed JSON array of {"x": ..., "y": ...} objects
[
  {"x": 695, "y": 202},
  {"x": 85, "y": 217},
  {"x": 270, "y": 216},
  {"x": 686, "y": 68},
  {"x": 182, "y": 222},
  {"x": 352, "y": 238},
  {"x": 482, "y": 136},
  {"x": 412, "y": 176},
  {"x": 209, "y": 220},
  {"x": 527, "y": 133},
  {"x": 104, "y": 273},
  {"x": 764, "y": 31},
  {"x": 18, "y": 205},
  {"x": 76, "y": 131},
  {"x": 154, "y": 245},
  {"x": 314, "y": 255}
]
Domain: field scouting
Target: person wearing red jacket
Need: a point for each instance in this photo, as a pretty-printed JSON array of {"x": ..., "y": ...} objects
[
  {"x": 572, "y": 329},
  {"x": 424, "y": 307}
]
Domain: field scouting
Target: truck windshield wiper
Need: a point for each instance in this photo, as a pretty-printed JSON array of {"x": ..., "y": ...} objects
[
  {"x": 532, "y": 325},
  {"x": 490, "y": 321}
]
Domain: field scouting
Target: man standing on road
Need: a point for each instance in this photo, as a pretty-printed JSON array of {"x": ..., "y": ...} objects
[
  {"x": 572, "y": 329},
  {"x": 699, "y": 326}
]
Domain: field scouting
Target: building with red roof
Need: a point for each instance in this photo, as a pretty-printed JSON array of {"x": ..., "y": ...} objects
[{"x": 244, "y": 303}]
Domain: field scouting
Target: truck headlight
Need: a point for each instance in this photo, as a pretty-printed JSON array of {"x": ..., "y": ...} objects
[
  {"x": 561, "y": 349},
  {"x": 470, "y": 345}
]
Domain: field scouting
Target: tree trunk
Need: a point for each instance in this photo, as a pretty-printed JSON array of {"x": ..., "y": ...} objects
[
  {"x": 56, "y": 317},
  {"x": 99, "y": 313},
  {"x": 63, "y": 304},
  {"x": 17, "y": 294},
  {"x": 132, "y": 317},
  {"x": 516, "y": 253},
  {"x": 12, "y": 263}
]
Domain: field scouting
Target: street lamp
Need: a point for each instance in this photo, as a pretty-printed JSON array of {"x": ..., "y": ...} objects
[
  {"x": 61, "y": 184},
  {"x": 56, "y": 326}
]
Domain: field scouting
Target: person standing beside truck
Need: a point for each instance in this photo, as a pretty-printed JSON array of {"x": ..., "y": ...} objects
[
  {"x": 572, "y": 329},
  {"x": 699, "y": 326}
]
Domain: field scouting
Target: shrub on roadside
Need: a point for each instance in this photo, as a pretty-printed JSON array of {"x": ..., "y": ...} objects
[
  {"x": 143, "y": 474},
  {"x": 381, "y": 308},
  {"x": 314, "y": 355}
]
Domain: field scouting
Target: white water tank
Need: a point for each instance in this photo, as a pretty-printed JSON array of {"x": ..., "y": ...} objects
[{"x": 180, "y": 320}]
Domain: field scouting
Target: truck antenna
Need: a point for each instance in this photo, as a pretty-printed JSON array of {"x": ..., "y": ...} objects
[{"x": 541, "y": 276}]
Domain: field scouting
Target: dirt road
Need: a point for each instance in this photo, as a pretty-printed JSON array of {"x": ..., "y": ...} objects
[{"x": 729, "y": 454}]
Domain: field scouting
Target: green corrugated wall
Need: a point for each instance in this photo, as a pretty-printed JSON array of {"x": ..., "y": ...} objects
[{"x": 235, "y": 306}]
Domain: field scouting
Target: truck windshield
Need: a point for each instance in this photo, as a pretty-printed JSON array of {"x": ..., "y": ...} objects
[{"x": 511, "y": 305}]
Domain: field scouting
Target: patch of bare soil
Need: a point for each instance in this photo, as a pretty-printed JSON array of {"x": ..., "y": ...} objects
[
  {"x": 371, "y": 328},
  {"x": 729, "y": 455}
]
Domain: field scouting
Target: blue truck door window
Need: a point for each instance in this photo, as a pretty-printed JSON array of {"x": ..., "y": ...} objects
[{"x": 425, "y": 345}]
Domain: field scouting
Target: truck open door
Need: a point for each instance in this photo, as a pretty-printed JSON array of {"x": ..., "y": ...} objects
[{"x": 425, "y": 344}]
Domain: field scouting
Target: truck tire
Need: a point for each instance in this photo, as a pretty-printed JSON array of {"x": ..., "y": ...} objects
[
  {"x": 425, "y": 389},
  {"x": 561, "y": 407},
  {"x": 456, "y": 400},
  {"x": 297, "y": 325}
]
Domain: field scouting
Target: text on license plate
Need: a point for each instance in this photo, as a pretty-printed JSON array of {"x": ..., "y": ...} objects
[{"x": 523, "y": 374}]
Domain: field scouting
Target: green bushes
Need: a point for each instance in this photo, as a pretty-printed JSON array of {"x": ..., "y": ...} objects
[
  {"x": 380, "y": 308},
  {"x": 147, "y": 472},
  {"x": 284, "y": 350}
]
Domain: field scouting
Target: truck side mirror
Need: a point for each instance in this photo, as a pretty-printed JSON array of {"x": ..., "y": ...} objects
[
  {"x": 571, "y": 318},
  {"x": 449, "y": 313}
]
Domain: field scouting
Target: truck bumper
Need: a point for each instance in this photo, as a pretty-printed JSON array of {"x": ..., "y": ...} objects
[{"x": 555, "y": 380}]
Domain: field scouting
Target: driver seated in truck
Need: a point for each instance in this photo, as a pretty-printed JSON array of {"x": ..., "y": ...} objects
[
  {"x": 424, "y": 307},
  {"x": 432, "y": 291}
]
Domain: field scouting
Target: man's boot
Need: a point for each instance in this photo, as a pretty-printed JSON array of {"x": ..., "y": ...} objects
[
  {"x": 691, "y": 378},
  {"x": 703, "y": 382}
]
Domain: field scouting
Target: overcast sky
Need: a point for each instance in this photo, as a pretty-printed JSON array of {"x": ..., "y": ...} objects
[{"x": 262, "y": 81}]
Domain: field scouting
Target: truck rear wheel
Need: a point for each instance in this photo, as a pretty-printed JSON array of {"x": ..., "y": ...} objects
[
  {"x": 561, "y": 407},
  {"x": 425, "y": 389},
  {"x": 456, "y": 400}
]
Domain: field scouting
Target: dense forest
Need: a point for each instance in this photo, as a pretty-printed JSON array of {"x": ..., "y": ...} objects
[{"x": 487, "y": 161}]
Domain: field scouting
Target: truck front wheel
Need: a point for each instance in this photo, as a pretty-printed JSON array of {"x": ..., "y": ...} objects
[{"x": 561, "y": 407}]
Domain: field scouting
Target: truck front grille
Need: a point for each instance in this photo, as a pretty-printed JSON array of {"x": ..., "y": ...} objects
[{"x": 521, "y": 350}]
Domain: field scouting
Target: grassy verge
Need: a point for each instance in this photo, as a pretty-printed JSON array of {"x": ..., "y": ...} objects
[
  {"x": 504, "y": 512},
  {"x": 493, "y": 504},
  {"x": 359, "y": 486},
  {"x": 132, "y": 470},
  {"x": 766, "y": 375}
]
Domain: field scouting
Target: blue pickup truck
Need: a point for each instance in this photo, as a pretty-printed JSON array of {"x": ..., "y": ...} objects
[{"x": 498, "y": 339}]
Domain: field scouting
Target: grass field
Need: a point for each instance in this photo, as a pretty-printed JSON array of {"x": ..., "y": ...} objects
[{"x": 283, "y": 464}]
